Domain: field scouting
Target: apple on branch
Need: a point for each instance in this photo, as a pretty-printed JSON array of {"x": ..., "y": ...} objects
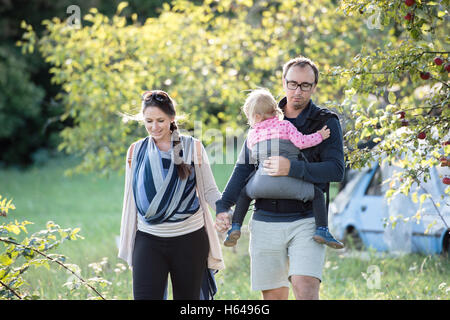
[
  {"x": 401, "y": 114},
  {"x": 438, "y": 61},
  {"x": 408, "y": 16},
  {"x": 444, "y": 162},
  {"x": 425, "y": 75},
  {"x": 447, "y": 67}
]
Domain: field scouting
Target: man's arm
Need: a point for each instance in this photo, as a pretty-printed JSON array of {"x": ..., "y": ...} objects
[
  {"x": 332, "y": 166},
  {"x": 242, "y": 169}
]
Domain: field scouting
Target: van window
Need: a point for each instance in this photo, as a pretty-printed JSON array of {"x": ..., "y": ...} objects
[{"x": 374, "y": 188}]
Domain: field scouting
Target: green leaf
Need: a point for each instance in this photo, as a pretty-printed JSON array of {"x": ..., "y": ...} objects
[
  {"x": 5, "y": 260},
  {"x": 73, "y": 234},
  {"x": 121, "y": 6},
  {"x": 389, "y": 193},
  {"x": 423, "y": 197},
  {"x": 414, "y": 197},
  {"x": 427, "y": 230},
  {"x": 392, "y": 97},
  {"x": 13, "y": 228}
]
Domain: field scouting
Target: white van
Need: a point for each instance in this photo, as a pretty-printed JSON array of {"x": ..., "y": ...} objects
[{"x": 360, "y": 213}]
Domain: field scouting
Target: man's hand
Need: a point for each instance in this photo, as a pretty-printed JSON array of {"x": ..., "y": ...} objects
[
  {"x": 223, "y": 222},
  {"x": 277, "y": 166}
]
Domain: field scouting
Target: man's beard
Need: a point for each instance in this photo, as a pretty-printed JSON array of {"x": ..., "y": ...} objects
[{"x": 299, "y": 105}]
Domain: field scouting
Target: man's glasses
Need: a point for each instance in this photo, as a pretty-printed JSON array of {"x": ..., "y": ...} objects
[
  {"x": 158, "y": 95},
  {"x": 304, "y": 86}
]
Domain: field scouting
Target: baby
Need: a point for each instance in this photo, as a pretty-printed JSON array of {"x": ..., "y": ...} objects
[{"x": 269, "y": 134}]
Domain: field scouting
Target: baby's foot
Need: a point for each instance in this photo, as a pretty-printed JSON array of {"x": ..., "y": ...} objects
[
  {"x": 322, "y": 235},
  {"x": 233, "y": 235}
]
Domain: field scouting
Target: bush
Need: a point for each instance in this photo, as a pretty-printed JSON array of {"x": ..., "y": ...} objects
[{"x": 16, "y": 257}]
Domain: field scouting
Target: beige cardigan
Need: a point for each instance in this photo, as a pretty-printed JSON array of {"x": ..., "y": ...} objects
[{"x": 207, "y": 192}]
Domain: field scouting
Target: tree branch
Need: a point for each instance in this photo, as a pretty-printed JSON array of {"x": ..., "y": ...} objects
[
  {"x": 53, "y": 260},
  {"x": 11, "y": 289},
  {"x": 440, "y": 52},
  {"x": 435, "y": 206}
]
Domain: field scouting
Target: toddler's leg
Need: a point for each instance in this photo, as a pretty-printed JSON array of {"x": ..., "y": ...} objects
[
  {"x": 241, "y": 208},
  {"x": 240, "y": 211},
  {"x": 319, "y": 208},
  {"x": 322, "y": 234}
]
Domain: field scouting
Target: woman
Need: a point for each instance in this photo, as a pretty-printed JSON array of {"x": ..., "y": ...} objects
[{"x": 166, "y": 224}]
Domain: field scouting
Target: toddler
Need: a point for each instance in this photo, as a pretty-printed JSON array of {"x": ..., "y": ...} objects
[{"x": 270, "y": 136}]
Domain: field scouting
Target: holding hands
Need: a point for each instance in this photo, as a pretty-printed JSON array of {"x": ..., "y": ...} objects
[{"x": 223, "y": 222}]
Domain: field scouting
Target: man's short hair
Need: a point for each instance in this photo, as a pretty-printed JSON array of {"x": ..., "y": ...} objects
[{"x": 301, "y": 61}]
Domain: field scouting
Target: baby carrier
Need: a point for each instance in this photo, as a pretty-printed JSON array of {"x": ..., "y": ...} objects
[{"x": 315, "y": 122}]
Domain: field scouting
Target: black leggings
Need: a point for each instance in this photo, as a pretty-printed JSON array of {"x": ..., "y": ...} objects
[
  {"x": 318, "y": 203},
  {"x": 184, "y": 257}
]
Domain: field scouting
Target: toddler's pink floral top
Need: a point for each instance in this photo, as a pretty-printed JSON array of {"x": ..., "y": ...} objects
[{"x": 273, "y": 128}]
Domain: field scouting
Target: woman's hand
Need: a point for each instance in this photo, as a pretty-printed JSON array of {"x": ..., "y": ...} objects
[{"x": 223, "y": 222}]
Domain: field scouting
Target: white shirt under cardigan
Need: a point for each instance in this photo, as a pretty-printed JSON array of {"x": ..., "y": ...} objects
[{"x": 207, "y": 193}]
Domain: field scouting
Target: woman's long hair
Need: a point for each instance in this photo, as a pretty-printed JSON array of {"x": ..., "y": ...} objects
[{"x": 161, "y": 100}]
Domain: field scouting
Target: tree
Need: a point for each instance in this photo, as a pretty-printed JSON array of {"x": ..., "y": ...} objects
[
  {"x": 20, "y": 114},
  {"x": 399, "y": 93},
  {"x": 385, "y": 69},
  {"x": 205, "y": 56},
  {"x": 29, "y": 114}
]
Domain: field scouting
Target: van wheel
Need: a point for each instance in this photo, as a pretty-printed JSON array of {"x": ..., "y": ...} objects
[
  {"x": 446, "y": 245},
  {"x": 352, "y": 239}
]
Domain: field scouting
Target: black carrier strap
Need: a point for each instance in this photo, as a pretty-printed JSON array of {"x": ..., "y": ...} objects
[
  {"x": 318, "y": 119},
  {"x": 316, "y": 122}
]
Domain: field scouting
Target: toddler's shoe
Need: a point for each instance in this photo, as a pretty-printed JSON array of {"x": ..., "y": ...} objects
[
  {"x": 233, "y": 235},
  {"x": 324, "y": 236}
]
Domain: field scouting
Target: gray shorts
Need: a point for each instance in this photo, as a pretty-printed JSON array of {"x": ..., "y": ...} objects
[{"x": 279, "y": 250}]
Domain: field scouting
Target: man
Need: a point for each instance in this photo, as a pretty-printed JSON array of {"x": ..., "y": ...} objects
[{"x": 281, "y": 244}]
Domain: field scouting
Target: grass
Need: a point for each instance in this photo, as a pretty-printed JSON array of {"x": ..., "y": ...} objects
[{"x": 94, "y": 204}]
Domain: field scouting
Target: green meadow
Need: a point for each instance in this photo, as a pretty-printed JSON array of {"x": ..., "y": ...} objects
[{"x": 94, "y": 204}]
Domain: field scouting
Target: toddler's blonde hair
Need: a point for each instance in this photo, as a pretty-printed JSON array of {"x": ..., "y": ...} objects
[{"x": 260, "y": 101}]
